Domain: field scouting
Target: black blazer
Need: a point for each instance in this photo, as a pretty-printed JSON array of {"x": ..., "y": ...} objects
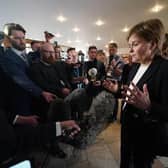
[
  {"x": 156, "y": 78},
  {"x": 136, "y": 132},
  {"x": 17, "y": 69}
]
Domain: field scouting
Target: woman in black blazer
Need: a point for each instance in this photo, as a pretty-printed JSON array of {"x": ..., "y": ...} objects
[{"x": 146, "y": 94}]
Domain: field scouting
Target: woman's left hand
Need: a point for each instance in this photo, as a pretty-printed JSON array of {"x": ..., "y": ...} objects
[{"x": 136, "y": 97}]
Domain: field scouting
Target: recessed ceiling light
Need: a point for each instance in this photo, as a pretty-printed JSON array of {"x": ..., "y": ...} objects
[
  {"x": 61, "y": 18},
  {"x": 98, "y": 38},
  {"x": 69, "y": 41},
  {"x": 106, "y": 46},
  {"x": 77, "y": 41},
  {"x": 111, "y": 41},
  {"x": 99, "y": 22},
  {"x": 58, "y": 35},
  {"x": 157, "y": 8},
  {"x": 125, "y": 29},
  {"x": 76, "y": 29}
]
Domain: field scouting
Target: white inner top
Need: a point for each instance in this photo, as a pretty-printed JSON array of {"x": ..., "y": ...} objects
[{"x": 142, "y": 69}]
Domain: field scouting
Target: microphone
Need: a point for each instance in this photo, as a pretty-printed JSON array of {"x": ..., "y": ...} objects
[
  {"x": 48, "y": 36},
  {"x": 92, "y": 73}
]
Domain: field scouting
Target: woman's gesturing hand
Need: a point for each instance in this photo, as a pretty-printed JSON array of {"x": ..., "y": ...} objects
[{"x": 136, "y": 97}]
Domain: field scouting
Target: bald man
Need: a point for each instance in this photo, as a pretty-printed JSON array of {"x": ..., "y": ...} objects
[{"x": 46, "y": 75}]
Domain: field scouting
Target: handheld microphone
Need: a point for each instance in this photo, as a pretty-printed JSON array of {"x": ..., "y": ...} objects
[{"x": 92, "y": 73}]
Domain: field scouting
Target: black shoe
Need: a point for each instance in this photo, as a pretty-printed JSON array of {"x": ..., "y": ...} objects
[{"x": 55, "y": 150}]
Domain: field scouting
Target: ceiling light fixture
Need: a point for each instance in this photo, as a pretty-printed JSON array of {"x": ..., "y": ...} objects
[
  {"x": 58, "y": 35},
  {"x": 111, "y": 41},
  {"x": 61, "y": 18},
  {"x": 125, "y": 29},
  {"x": 106, "y": 46},
  {"x": 99, "y": 22},
  {"x": 69, "y": 41},
  {"x": 157, "y": 8},
  {"x": 76, "y": 29},
  {"x": 77, "y": 41},
  {"x": 98, "y": 38}
]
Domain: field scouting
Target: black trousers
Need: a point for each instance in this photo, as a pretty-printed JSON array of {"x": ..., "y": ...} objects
[{"x": 133, "y": 153}]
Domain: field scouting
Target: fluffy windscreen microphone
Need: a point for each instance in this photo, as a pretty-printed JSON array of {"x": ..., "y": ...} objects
[{"x": 92, "y": 73}]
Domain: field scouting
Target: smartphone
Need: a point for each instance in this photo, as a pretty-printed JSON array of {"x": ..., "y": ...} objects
[{"x": 23, "y": 164}]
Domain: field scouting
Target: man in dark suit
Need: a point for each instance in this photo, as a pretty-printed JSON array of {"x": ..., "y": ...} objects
[
  {"x": 17, "y": 140},
  {"x": 15, "y": 65}
]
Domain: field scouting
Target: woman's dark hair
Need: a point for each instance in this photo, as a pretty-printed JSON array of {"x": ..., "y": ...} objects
[
  {"x": 165, "y": 45},
  {"x": 151, "y": 30}
]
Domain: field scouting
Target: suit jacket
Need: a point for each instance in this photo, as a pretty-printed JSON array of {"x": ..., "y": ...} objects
[
  {"x": 136, "y": 134},
  {"x": 22, "y": 88},
  {"x": 156, "y": 79},
  {"x": 21, "y": 139},
  {"x": 125, "y": 74}
]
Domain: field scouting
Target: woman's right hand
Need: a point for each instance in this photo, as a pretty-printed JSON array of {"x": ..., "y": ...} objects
[{"x": 138, "y": 98}]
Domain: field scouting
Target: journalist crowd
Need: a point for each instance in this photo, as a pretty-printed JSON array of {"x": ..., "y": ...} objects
[{"x": 46, "y": 99}]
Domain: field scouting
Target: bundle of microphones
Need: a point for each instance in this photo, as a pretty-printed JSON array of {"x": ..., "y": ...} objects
[{"x": 80, "y": 140}]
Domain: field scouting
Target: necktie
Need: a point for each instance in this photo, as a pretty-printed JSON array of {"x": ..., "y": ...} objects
[{"x": 24, "y": 57}]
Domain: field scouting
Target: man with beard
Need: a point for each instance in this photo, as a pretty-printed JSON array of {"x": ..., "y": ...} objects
[
  {"x": 21, "y": 89},
  {"x": 45, "y": 75}
]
